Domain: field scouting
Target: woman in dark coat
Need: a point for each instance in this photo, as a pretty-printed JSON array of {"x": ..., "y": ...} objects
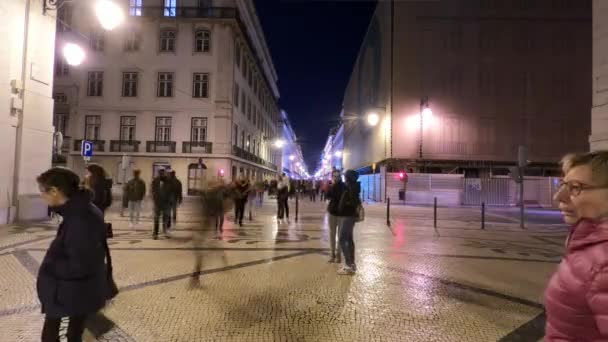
[
  {"x": 73, "y": 279},
  {"x": 96, "y": 181}
]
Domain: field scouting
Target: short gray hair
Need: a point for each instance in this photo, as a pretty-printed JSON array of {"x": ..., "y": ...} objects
[{"x": 598, "y": 160}]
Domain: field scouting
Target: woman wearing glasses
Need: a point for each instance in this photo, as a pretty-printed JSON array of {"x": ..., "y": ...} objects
[{"x": 576, "y": 299}]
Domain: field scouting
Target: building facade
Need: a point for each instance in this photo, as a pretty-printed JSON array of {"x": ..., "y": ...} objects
[
  {"x": 178, "y": 86},
  {"x": 292, "y": 159},
  {"x": 599, "y": 112},
  {"x": 489, "y": 76},
  {"x": 26, "y": 110}
]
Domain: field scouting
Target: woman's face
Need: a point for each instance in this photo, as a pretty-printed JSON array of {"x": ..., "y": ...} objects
[
  {"x": 52, "y": 196},
  {"x": 592, "y": 200}
]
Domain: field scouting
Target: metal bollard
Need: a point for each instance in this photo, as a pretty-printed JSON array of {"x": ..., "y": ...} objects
[
  {"x": 297, "y": 206},
  {"x": 483, "y": 215},
  {"x": 435, "y": 216},
  {"x": 388, "y": 211}
]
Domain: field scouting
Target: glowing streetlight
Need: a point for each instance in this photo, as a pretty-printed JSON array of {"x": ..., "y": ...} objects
[
  {"x": 74, "y": 54},
  {"x": 298, "y": 164},
  {"x": 373, "y": 119},
  {"x": 338, "y": 154},
  {"x": 109, "y": 14},
  {"x": 279, "y": 143},
  {"x": 427, "y": 113},
  {"x": 292, "y": 157}
]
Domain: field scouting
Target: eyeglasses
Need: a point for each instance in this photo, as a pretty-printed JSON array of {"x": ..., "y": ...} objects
[{"x": 575, "y": 188}]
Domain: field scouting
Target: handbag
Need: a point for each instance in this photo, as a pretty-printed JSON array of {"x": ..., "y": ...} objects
[
  {"x": 113, "y": 289},
  {"x": 109, "y": 231},
  {"x": 360, "y": 213}
]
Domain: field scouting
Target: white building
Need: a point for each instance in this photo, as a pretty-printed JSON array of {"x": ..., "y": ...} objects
[
  {"x": 26, "y": 106},
  {"x": 599, "y": 111},
  {"x": 171, "y": 85},
  {"x": 292, "y": 159}
]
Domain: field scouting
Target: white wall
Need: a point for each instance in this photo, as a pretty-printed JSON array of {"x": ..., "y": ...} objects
[
  {"x": 26, "y": 139},
  {"x": 599, "y": 112}
]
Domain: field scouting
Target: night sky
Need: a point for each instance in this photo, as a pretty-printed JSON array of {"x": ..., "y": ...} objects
[{"x": 314, "y": 45}]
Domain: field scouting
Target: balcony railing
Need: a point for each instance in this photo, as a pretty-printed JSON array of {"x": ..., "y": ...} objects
[
  {"x": 186, "y": 12},
  {"x": 98, "y": 145},
  {"x": 241, "y": 153},
  {"x": 160, "y": 146},
  {"x": 124, "y": 145},
  {"x": 197, "y": 147}
]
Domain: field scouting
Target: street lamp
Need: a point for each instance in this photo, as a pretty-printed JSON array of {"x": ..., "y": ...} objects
[
  {"x": 372, "y": 119},
  {"x": 338, "y": 154},
  {"x": 109, "y": 14},
  {"x": 292, "y": 157},
  {"x": 279, "y": 143},
  {"x": 425, "y": 111},
  {"x": 74, "y": 54}
]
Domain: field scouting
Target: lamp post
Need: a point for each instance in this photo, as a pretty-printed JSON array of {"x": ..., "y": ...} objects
[{"x": 424, "y": 111}]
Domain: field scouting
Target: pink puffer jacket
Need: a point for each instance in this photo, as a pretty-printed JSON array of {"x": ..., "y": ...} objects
[{"x": 576, "y": 299}]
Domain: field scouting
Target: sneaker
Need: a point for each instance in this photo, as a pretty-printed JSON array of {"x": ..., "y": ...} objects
[{"x": 346, "y": 271}]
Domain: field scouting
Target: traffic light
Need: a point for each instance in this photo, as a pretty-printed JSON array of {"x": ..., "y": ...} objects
[{"x": 401, "y": 175}]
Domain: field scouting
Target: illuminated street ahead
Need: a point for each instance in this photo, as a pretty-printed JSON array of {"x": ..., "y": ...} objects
[{"x": 269, "y": 283}]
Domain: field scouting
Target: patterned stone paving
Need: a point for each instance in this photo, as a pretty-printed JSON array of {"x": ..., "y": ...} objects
[{"x": 266, "y": 282}]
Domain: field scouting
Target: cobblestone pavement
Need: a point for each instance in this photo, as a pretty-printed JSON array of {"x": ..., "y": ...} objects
[{"x": 269, "y": 282}]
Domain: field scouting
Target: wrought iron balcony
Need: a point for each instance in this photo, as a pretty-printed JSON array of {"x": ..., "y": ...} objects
[
  {"x": 241, "y": 153},
  {"x": 197, "y": 147},
  {"x": 98, "y": 145},
  {"x": 124, "y": 145},
  {"x": 184, "y": 12},
  {"x": 160, "y": 146}
]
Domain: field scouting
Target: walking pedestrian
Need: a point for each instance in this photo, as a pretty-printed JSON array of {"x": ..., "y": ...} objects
[
  {"x": 348, "y": 206},
  {"x": 73, "y": 280},
  {"x": 242, "y": 187},
  {"x": 101, "y": 187},
  {"x": 176, "y": 197},
  {"x": 334, "y": 193},
  {"x": 135, "y": 191},
  {"x": 214, "y": 204},
  {"x": 283, "y": 198},
  {"x": 161, "y": 195},
  {"x": 576, "y": 298}
]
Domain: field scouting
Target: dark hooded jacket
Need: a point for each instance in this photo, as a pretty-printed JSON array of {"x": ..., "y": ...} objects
[
  {"x": 349, "y": 200},
  {"x": 72, "y": 279}
]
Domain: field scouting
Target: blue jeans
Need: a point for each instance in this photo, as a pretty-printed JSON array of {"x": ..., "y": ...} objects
[{"x": 347, "y": 225}]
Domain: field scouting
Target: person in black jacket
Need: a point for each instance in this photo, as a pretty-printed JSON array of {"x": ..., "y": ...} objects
[
  {"x": 334, "y": 193},
  {"x": 176, "y": 196},
  {"x": 97, "y": 182},
  {"x": 73, "y": 277},
  {"x": 348, "y": 206},
  {"x": 161, "y": 194}
]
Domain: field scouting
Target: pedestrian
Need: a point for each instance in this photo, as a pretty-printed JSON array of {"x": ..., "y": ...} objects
[
  {"x": 576, "y": 298},
  {"x": 101, "y": 187},
  {"x": 324, "y": 189},
  {"x": 260, "y": 188},
  {"x": 73, "y": 280},
  {"x": 161, "y": 195},
  {"x": 135, "y": 191},
  {"x": 242, "y": 187},
  {"x": 283, "y": 198},
  {"x": 214, "y": 204},
  {"x": 176, "y": 197},
  {"x": 334, "y": 193},
  {"x": 315, "y": 190},
  {"x": 348, "y": 207}
]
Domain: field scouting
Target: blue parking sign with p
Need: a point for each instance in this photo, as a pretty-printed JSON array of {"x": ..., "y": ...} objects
[{"x": 86, "y": 149}]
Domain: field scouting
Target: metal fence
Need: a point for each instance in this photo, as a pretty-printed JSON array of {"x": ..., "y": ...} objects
[{"x": 503, "y": 191}]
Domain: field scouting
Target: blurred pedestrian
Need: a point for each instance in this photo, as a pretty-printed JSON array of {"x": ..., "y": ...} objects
[
  {"x": 135, "y": 191},
  {"x": 334, "y": 194},
  {"x": 348, "y": 206},
  {"x": 283, "y": 198},
  {"x": 242, "y": 187},
  {"x": 73, "y": 280},
  {"x": 101, "y": 187},
  {"x": 176, "y": 197},
  {"x": 576, "y": 299},
  {"x": 161, "y": 195}
]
